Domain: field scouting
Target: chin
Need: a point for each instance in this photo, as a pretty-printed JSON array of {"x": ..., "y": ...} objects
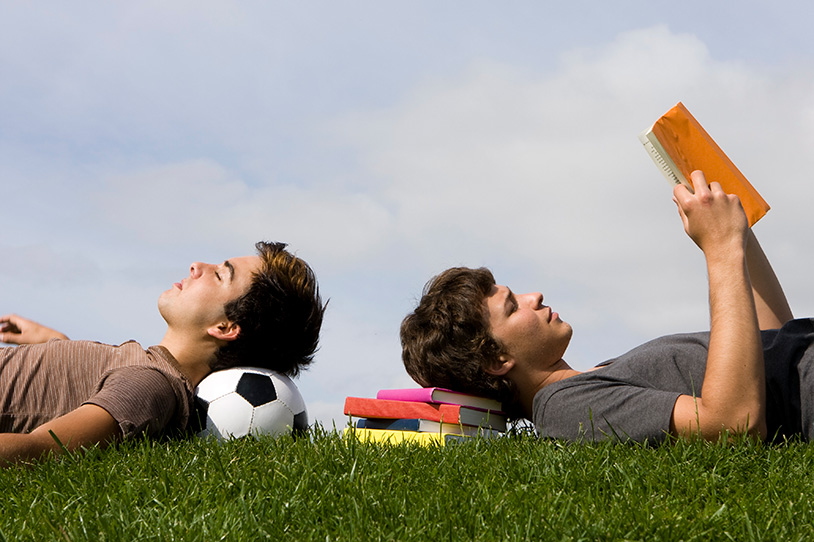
[
  {"x": 567, "y": 338},
  {"x": 163, "y": 304}
]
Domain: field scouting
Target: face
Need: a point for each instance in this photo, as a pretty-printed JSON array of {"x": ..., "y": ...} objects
[
  {"x": 530, "y": 332},
  {"x": 198, "y": 300}
]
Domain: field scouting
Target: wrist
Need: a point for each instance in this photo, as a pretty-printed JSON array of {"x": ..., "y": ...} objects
[{"x": 726, "y": 253}]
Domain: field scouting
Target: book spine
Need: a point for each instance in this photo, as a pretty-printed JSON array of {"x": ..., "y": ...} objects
[
  {"x": 396, "y": 437},
  {"x": 392, "y": 425},
  {"x": 440, "y": 396},
  {"x": 423, "y": 395},
  {"x": 662, "y": 159},
  {"x": 420, "y": 426},
  {"x": 382, "y": 408}
]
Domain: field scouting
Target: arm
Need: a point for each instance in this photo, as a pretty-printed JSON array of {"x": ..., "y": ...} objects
[
  {"x": 18, "y": 330},
  {"x": 733, "y": 394},
  {"x": 772, "y": 308},
  {"x": 83, "y": 427}
]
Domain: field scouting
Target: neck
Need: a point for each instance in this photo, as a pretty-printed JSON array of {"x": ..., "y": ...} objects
[
  {"x": 529, "y": 385},
  {"x": 192, "y": 354}
]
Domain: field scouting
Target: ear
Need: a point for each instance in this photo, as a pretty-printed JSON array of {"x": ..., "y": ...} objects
[
  {"x": 225, "y": 331},
  {"x": 499, "y": 367}
]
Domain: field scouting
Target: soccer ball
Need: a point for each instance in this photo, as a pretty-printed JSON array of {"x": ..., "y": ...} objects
[{"x": 248, "y": 401}]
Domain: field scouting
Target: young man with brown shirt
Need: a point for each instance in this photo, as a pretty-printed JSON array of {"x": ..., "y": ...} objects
[{"x": 263, "y": 310}]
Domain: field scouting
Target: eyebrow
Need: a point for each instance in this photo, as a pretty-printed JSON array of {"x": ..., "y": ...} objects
[{"x": 231, "y": 269}]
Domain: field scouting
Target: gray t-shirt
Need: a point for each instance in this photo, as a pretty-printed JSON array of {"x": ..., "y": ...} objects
[{"x": 632, "y": 397}]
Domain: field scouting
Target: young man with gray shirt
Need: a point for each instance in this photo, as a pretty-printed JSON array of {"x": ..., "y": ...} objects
[{"x": 750, "y": 374}]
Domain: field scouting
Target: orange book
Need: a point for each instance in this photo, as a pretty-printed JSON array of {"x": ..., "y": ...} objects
[{"x": 679, "y": 145}]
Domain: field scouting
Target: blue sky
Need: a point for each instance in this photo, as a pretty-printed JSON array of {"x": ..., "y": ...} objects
[{"x": 385, "y": 142}]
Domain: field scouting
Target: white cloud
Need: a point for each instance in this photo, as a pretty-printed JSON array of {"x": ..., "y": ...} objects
[
  {"x": 167, "y": 204},
  {"x": 541, "y": 175},
  {"x": 203, "y": 203},
  {"x": 43, "y": 267}
]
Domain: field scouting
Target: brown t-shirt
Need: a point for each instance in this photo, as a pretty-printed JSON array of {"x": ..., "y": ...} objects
[{"x": 144, "y": 390}]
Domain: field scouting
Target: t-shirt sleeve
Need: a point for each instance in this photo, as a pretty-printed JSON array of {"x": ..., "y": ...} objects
[
  {"x": 601, "y": 410},
  {"x": 141, "y": 400}
]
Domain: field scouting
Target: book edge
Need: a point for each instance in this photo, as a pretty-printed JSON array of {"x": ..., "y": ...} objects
[
  {"x": 423, "y": 425},
  {"x": 446, "y": 396},
  {"x": 662, "y": 159},
  {"x": 474, "y": 401},
  {"x": 397, "y": 437},
  {"x": 429, "y": 426}
]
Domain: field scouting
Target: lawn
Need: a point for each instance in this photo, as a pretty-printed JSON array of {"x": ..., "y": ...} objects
[{"x": 326, "y": 488}]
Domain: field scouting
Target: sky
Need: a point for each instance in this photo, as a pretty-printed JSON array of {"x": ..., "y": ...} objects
[{"x": 385, "y": 142}]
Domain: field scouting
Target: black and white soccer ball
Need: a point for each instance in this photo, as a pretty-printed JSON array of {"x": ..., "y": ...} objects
[{"x": 248, "y": 401}]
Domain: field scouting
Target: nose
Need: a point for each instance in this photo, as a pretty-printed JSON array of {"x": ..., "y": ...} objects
[
  {"x": 536, "y": 300},
  {"x": 196, "y": 269}
]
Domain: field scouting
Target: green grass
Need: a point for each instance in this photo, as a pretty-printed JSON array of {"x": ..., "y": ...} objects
[{"x": 324, "y": 488}]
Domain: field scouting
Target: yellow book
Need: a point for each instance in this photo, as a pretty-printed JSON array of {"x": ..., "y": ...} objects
[
  {"x": 395, "y": 437},
  {"x": 679, "y": 145}
]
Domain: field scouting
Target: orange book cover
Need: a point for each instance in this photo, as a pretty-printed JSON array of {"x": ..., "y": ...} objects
[{"x": 679, "y": 145}]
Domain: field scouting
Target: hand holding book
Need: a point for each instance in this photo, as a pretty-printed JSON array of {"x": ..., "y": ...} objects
[{"x": 713, "y": 219}]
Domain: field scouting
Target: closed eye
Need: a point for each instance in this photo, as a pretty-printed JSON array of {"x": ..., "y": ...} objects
[{"x": 512, "y": 302}]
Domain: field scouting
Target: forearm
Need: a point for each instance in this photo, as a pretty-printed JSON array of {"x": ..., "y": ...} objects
[
  {"x": 770, "y": 301},
  {"x": 17, "y": 448},
  {"x": 733, "y": 393},
  {"x": 88, "y": 425},
  {"x": 734, "y": 389},
  {"x": 17, "y": 330}
]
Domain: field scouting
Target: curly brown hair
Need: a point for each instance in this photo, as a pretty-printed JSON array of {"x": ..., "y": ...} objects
[
  {"x": 280, "y": 316},
  {"x": 446, "y": 341}
]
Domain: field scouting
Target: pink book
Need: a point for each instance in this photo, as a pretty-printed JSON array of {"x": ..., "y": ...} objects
[{"x": 440, "y": 396}]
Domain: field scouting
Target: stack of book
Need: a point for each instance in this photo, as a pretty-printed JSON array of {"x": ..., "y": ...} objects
[{"x": 424, "y": 415}]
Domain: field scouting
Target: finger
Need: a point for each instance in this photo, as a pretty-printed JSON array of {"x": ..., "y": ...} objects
[
  {"x": 682, "y": 195},
  {"x": 715, "y": 187},
  {"x": 681, "y": 213},
  {"x": 10, "y": 320},
  {"x": 680, "y": 191},
  {"x": 9, "y": 326},
  {"x": 699, "y": 181},
  {"x": 9, "y": 339}
]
